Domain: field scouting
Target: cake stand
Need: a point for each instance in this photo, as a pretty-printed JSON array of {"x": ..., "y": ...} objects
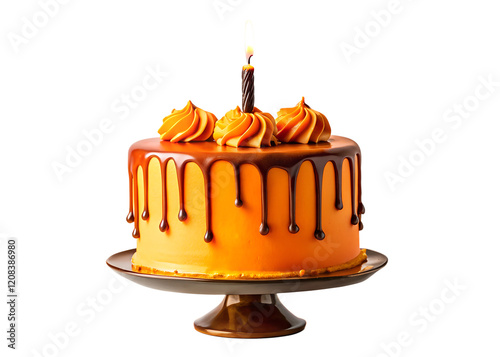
[{"x": 251, "y": 308}]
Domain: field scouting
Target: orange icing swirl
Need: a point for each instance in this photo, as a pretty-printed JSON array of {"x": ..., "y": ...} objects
[
  {"x": 301, "y": 124},
  {"x": 237, "y": 128},
  {"x": 188, "y": 124}
]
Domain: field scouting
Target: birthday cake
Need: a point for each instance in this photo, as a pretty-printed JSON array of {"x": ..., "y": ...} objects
[{"x": 247, "y": 196}]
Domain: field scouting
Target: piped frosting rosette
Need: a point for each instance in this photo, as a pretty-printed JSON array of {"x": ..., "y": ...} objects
[
  {"x": 301, "y": 124},
  {"x": 188, "y": 124},
  {"x": 237, "y": 128}
]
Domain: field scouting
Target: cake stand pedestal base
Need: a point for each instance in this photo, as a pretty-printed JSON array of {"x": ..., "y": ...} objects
[
  {"x": 251, "y": 308},
  {"x": 250, "y": 316}
]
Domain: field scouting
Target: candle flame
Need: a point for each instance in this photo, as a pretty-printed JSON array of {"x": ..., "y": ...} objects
[{"x": 249, "y": 40}]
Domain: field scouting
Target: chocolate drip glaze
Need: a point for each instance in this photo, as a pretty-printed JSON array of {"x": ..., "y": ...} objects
[
  {"x": 130, "y": 216},
  {"x": 292, "y": 184},
  {"x": 288, "y": 157},
  {"x": 237, "y": 201},
  {"x": 164, "y": 222},
  {"x": 208, "y": 204},
  {"x": 338, "y": 184},
  {"x": 180, "y": 179},
  {"x": 145, "y": 211},
  {"x": 264, "y": 228},
  {"x": 361, "y": 207},
  {"x": 318, "y": 178},
  {"x": 354, "y": 217}
]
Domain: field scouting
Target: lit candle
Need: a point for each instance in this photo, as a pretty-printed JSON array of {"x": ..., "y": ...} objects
[{"x": 248, "y": 95}]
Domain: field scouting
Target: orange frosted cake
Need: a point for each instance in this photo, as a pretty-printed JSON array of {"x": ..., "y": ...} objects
[{"x": 247, "y": 196}]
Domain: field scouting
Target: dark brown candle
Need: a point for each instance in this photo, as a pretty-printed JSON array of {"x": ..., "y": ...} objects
[
  {"x": 248, "y": 89},
  {"x": 247, "y": 86}
]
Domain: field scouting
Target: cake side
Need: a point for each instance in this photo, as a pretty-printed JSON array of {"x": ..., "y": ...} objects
[{"x": 283, "y": 210}]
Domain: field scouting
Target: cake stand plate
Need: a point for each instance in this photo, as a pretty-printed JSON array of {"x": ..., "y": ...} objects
[{"x": 251, "y": 308}]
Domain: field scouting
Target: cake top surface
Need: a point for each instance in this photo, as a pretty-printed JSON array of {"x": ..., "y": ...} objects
[{"x": 336, "y": 145}]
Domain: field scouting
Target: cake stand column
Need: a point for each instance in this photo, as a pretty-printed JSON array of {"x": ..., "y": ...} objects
[{"x": 250, "y": 316}]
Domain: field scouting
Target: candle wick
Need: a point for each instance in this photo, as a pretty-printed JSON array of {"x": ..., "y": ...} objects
[{"x": 249, "y": 58}]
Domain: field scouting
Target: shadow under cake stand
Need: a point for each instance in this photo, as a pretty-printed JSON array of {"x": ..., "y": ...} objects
[{"x": 251, "y": 308}]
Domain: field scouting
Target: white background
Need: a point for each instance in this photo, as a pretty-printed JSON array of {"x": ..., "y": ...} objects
[{"x": 438, "y": 226}]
